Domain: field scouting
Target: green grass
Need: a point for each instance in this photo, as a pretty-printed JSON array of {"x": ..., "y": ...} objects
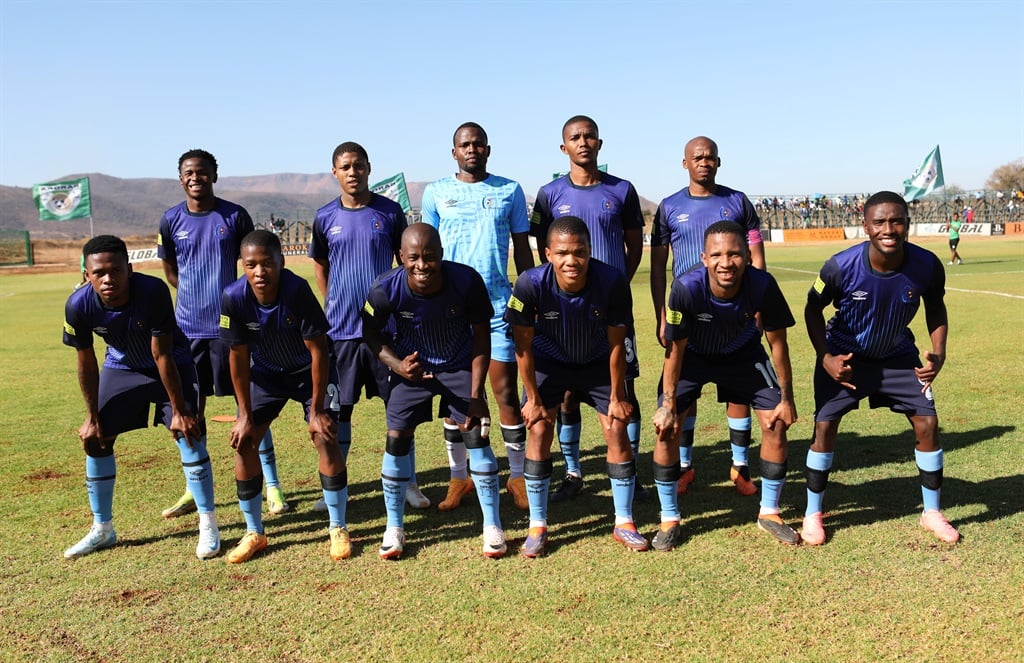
[{"x": 880, "y": 587}]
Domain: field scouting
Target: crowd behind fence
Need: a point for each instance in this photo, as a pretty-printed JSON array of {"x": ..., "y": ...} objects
[{"x": 776, "y": 212}]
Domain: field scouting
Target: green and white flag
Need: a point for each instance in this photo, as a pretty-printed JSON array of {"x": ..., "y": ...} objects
[
  {"x": 926, "y": 179},
  {"x": 394, "y": 188},
  {"x": 61, "y": 201}
]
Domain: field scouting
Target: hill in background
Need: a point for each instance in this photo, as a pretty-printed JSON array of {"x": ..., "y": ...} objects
[{"x": 129, "y": 207}]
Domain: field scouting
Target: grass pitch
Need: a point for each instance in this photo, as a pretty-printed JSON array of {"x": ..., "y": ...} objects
[{"x": 880, "y": 588}]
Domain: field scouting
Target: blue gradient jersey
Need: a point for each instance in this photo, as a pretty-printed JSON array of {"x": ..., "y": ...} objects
[
  {"x": 475, "y": 222},
  {"x": 204, "y": 248},
  {"x": 608, "y": 209},
  {"x": 359, "y": 245},
  {"x": 681, "y": 220},
  {"x": 874, "y": 309},
  {"x": 570, "y": 328},
  {"x": 717, "y": 327},
  {"x": 438, "y": 326},
  {"x": 276, "y": 334},
  {"x": 128, "y": 331}
]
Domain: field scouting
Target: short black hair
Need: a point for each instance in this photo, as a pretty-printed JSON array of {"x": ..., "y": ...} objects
[
  {"x": 580, "y": 118},
  {"x": 263, "y": 239},
  {"x": 196, "y": 153},
  {"x": 105, "y": 244},
  {"x": 569, "y": 225},
  {"x": 886, "y": 197},
  {"x": 469, "y": 125},
  {"x": 726, "y": 227},
  {"x": 345, "y": 148}
]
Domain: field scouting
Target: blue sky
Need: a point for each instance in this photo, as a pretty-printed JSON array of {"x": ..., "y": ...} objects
[{"x": 801, "y": 97}]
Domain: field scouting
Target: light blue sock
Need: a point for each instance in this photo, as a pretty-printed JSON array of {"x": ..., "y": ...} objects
[
  {"x": 100, "y": 474},
  {"x": 412, "y": 462},
  {"x": 337, "y": 501},
  {"x": 771, "y": 492},
  {"x": 538, "y": 483},
  {"x": 195, "y": 462},
  {"x": 268, "y": 460},
  {"x": 623, "y": 480},
  {"x": 739, "y": 431},
  {"x": 820, "y": 461},
  {"x": 252, "y": 511},
  {"x": 484, "y": 468},
  {"x": 930, "y": 461},
  {"x": 668, "y": 499},
  {"x": 633, "y": 434},
  {"x": 344, "y": 438},
  {"x": 569, "y": 429},
  {"x": 394, "y": 475},
  {"x": 686, "y": 445}
]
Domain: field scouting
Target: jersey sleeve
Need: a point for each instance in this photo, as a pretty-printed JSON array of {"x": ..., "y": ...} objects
[
  {"x": 522, "y": 305},
  {"x": 936, "y": 290},
  {"x": 632, "y": 215},
  {"x": 401, "y": 223},
  {"x": 165, "y": 242},
  {"x": 659, "y": 231},
  {"x": 318, "y": 249},
  {"x": 161, "y": 310},
  {"x": 827, "y": 287},
  {"x": 243, "y": 226},
  {"x": 751, "y": 221},
  {"x": 775, "y": 311},
  {"x": 428, "y": 208},
  {"x": 676, "y": 326},
  {"x": 232, "y": 331},
  {"x": 540, "y": 219},
  {"x": 518, "y": 221},
  {"x": 77, "y": 333},
  {"x": 619, "y": 302}
]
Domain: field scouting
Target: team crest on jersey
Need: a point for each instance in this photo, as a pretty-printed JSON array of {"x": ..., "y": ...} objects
[
  {"x": 724, "y": 214},
  {"x": 909, "y": 296},
  {"x": 181, "y": 234},
  {"x": 451, "y": 202},
  {"x": 859, "y": 296},
  {"x": 682, "y": 218},
  {"x": 289, "y": 321},
  {"x": 488, "y": 202},
  {"x": 705, "y": 317},
  {"x": 596, "y": 313},
  {"x": 453, "y": 311},
  {"x": 221, "y": 230},
  {"x": 564, "y": 209},
  {"x": 138, "y": 324},
  {"x": 606, "y": 205}
]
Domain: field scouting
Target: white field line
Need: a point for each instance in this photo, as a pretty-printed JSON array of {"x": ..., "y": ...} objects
[{"x": 972, "y": 292}]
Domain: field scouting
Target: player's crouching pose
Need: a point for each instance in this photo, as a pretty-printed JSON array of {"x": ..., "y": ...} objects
[
  {"x": 278, "y": 338},
  {"x": 147, "y": 361},
  {"x": 712, "y": 330},
  {"x": 569, "y": 319},
  {"x": 440, "y": 346},
  {"x": 867, "y": 350}
]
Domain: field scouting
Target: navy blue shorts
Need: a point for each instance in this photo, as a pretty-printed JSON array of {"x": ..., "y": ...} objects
[
  {"x": 889, "y": 383},
  {"x": 210, "y": 356},
  {"x": 270, "y": 392},
  {"x": 358, "y": 369},
  {"x": 750, "y": 380},
  {"x": 410, "y": 402},
  {"x": 590, "y": 383},
  {"x": 125, "y": 397}
]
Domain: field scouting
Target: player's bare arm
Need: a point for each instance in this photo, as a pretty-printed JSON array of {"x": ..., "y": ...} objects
[
  {"x": 835, "y": 365},
  {"x": 89, "y": 382},
  {"x": 320, "y": 422},
  {"x": 785, "y": 411},
  {"x": 171, "y": 273},
  {"x": 183, "y": 422},
  {"x": 659, "y": 283},
  {"x": 522, "y": 255},
  {"x": 619, "y": 406},
  {"x": 242, "y": 433},
  {"x": 321, "y": 272},
  {"x": 533, "y": 409},
  {"x": 633, "y": 238},
  {"x": 666, "y": 420},
  {"x": 477, "y": 410},
  {"x": 937, "y": 321}
]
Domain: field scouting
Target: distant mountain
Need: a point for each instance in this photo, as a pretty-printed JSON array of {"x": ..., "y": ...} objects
[{"x": 128, "y": 207}]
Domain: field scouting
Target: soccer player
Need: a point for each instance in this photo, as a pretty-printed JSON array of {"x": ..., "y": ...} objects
[
  {"x": 277, "y": 333},
  {"x": 713, "y": 335},
  {"x": 476, "y": 213},
  {"x": 356, "y": 238},
  {"x": 867, "y": 350},
  {"x": 440, "y": 313},
  {"x": 679, "y": 226},
  {"x": 610, "y": 207},
  {"x": 147, "y": 361},
  {"x": 954, "y": 240},
  {"x": 569, "y": 319},
  {"x": 198, "y": 242}
]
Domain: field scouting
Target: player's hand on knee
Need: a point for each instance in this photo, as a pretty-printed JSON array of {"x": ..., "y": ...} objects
[
  {"x": 619, "y": 410},
  {"x": 782, "y": 417},
  {"x": 665, "y": 425},
  {"x": 321, "y": 425},
  {"x": 185, "y": 426},
  {"x": 91, "y": 434},
  {"x": 534, "y": 413}
]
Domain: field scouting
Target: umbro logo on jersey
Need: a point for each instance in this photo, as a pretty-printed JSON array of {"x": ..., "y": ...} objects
[
  {"x": 450, "y": 203},
  {"x": 407, "y": 315},
  {"x": 252, "y": 326},
  {"x": 705, "y": 317},
  {"x": 336, "y": 230},
  {"x": 860, "y": 296},
  {"x": 683, "y": 218},
  {"x": 551, "y": 315},
  {"x": 181, "y": 234},
  {"x": 100, "y": 330},
  {"x": 564, "y": 209}
]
